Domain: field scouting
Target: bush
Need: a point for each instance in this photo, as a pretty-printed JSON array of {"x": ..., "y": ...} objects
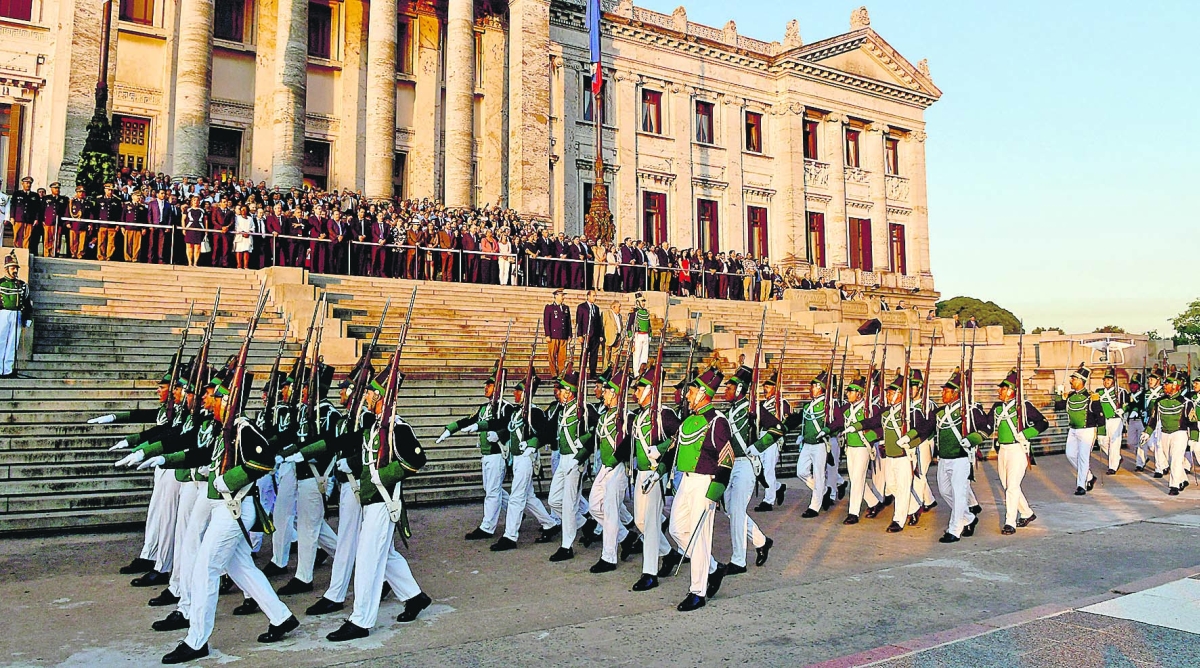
[{"x": 986, "y": 313}]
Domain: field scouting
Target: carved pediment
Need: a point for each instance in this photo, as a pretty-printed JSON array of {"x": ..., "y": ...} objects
[{"x": 863, "y": 53}]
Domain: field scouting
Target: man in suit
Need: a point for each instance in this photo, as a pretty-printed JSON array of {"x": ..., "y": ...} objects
[
  {"x": 556, "y": 325},
  {"x": 161, "y": 213},
  {"x": 222, "y": 223},
  {"x": 380, "y": 234},
  {"x": 470, "y": 244},
  {"x": 318, "y": 248},
  {"x": 589, "y": 327},
  {"x": 613, "y": 326},
  {"x": 339, "y": 235},
  {"x": 627, "y": 275},
  {"x": 576, "y": 253}
]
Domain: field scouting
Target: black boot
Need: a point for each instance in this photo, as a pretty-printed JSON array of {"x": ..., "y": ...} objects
[
  {"x": 1023, "y": 522},
  {"x": 895, "y": 527},
  {"x": 348, "y": 631},
  {"x": 850, "y": 519},
  {"x": 809, "y": 514},
  {"x": 563, "y": 554},
  {"x": 734, "y": 569},
  {"x": 503, "y": 545},
  {"x": 136, "y": 566},
  {"x": 183, "y": 654},
  {"x": 295, "y": 586},
  {"x": 969, "y": 530},
  {"x": 151, "y": 579},
  {"x": 1079, "y": 491},
  {"x": 548, "y": 535},
  {"x": 631, "y": 545},
  {"x": 478, "y": 534},
  {"x": 669, "y": 563},
  {"x": 226, "y": 585},
  {"x": 714, "y": 580},
  {"x": 603, "y": 566},
  {"x": 761, "y": 553},
  {"x": 322, "y": 557},
  {"x": 172, "y": 622},
  {"x": 827, "y": 501},
  {"x": 413, "y": 607},
  {"x": 277, "y": 633},
  {"x": 165, "y": 598},
  {"x": 763, "y": 507},
  {"x": 248, "y": 607},
  {"x": 779, "y": 494},
  {"x": 323, "y": 606},
  {"x": 383, "y": 593},
  {"x": 271, "y": 570},
  {"x": 690, "y": 603},
  {"x": 646, "y": 582},
  {"x": 587, "y": 533},
  {"x": 948, "y": 538}
]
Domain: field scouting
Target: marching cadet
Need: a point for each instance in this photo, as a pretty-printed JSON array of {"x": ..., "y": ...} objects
[
  {"x": 525, "y": 435},
  {"x": 638, "y": 326},
  {"x": 225, "y": 547},
  {"x": 859, "y": 452},
  {"x": 1169, "y": 416},
  {"x": 1153, "y": 442},
  {"x": 291, "y": 427},
  {"x": 16, "y": 311},
  {"x": 490, "y": 422},
  {"x": 1112, "y": 402},
  {"x": 888, "y": 425},
  {"x": 385, "y": 467},
  {"x": 1193, "y": 416},
  {"x": 704, "y": 454},
  {"x": 573, "y": 444},
  {"x": 651, "y": 439},
  {"x": 923, "y": 453},
  {"x": 740, "y": 487},
  {"x": 953, "y": 450},
  {"x": 608, "y": 489},
  {"x": 813, "y": 440},
  {"x": 1085, "y": 416},
  {"x": 1135, "y": 425},
  {"x": 1013, "y": 431},
  {"x": 773, "y": 489}
]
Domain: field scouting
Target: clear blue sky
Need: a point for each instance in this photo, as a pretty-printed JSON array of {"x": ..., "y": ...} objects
[{"x": 1063, "y": 157}]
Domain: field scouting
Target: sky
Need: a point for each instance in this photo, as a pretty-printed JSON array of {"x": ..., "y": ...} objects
[{"x": 1063, "y": 157}]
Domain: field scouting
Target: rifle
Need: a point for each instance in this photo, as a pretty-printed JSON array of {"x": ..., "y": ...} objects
[
  {"x": 757, "y": 357},
  {"x": 1022, "y": 415},
  {"x": 302, "y": 358},
  {"x": 498, "y": 384},
  {"x": 904, "y": 419},
  {"x": 925, "y": 380},
  {"x": 842, "y": 371},
  {"x": 968, "y": 423},
  {"x": 581, "y": 394},
  {"x": 837, "y": 335},
  {"x": 779, "y": 376},
  {"x": 527, "y": 404},
  {"x": 687, "y": 369},
  {"x": 387, "y": 416},
  {"x": 882, "y": 389},
  {"x": 313, "y": 379},
  {"x": 200, "y": 377},
  {"x": 363, "y": 377},
  {"x": 178, "y": 360},
  {"x": 870, "y": 388},
  {"x": 656, "y": 387},
  {"x": 233, "y": 405},
  {"x": 273, "y": 384}
]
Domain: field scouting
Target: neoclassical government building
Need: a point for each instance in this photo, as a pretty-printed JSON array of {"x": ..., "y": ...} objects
[{"x": 811, "y": 153}]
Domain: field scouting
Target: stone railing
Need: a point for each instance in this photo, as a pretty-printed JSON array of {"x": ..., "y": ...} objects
[
  {"x": 816, "y": 173},
  {"x": 653, "y": 18},
  {"x": 909, "y": 282},
  {"x": 855, "y": 309},
  {"x": 897, "y": 188},
  {"x": 757, "y": 45},
  {"x": 857, "y": 175},
  {"x": 868, "y": 279},
  {"x": 707, "y": 32}
]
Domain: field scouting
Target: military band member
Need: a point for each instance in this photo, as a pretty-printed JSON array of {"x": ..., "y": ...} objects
[
  {"x": 773, "y": 489},
  {"x": 1135, "y": 425},
  {"x": 16, "y": 311},
  {"x": 1085, "y": 417},
  {"x": 953, "y": 450},
  {"x": 525, "y": 436},
  {"x": 813, "y": 439},
  {"x": 1170, "y": 415},
  {"x": 1012, "y": 442},
  {"x": 888, "y": 425},
  {"x": 1112, "y": 401},
  {"x": 490, "y": 423},
  {"x": 859, "y": 452},
  {"x": 746, "y": 448},
  {"x": 611, "y": 441},
  {"x": 574, "y": 442},
  {"x": 650, "y": 444},
  {"x": 638, "y": 326}
]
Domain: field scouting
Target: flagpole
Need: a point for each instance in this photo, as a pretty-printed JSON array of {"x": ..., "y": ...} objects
[{"x": 597, "y": 224}]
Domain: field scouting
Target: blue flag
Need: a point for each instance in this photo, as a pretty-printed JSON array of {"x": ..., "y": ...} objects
[{"x": 593, "y": 25}]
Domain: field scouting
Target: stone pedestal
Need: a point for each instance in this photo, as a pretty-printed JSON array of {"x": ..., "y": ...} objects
[
  {"x": 381, "y": 98},
  {"x": 193, "y": 88},
  {"x": 460, "y": 101},
  {"x": 290, "y": 86}
]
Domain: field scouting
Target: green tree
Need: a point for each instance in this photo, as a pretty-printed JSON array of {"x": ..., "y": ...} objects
[
  {"x": 1187, "y": 325},
  {"x": 1108, "y": 329},
  {"x": 1040, "y": 330},
  {"x": 986, "y": 313}
]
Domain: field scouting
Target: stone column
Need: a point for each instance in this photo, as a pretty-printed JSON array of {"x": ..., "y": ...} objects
[
  {"x": 460, "y": 101},
  {"x": 787, "y": 232},
  {"x": 837, "y": 243},
  {"x": 871, "y": 148},
  {"x": 290, "y": 87},
  {"x": 528, "y": 106},
  {"x": 381, "y": 98},
  {"x": 912, "y": 160},
  {"x": 193, "y": 86}
]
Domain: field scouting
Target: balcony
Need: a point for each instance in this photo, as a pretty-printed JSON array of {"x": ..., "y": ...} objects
[
  {"x": 816, "y": 174},
  {"x": 897, "y": 189},
  {"x": 857, "y": 175}
]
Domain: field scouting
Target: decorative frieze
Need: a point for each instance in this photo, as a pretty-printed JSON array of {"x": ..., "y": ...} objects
[
  {"x": 897, "y": 188},
  {"x": 136, "y": 96},
  {"x": 231, "y": 110},
  {"x": 857, "y": 175},
  {"x": 816, "y": 173}
]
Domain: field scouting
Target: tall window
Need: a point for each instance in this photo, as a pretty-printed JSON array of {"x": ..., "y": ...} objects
[
  {"x": 892, "y": 156},
  {"x": 852, "y": 148},
  {"x": 754, "y": 132},
  {"x": 651, "y": 111},
  {"x": 897, "y": 255},
  {"x": 22, "y": 10},
  {"x": 860, "y": 244},
  {"x": 229, "y": 20},
  {"x": 707, "y": 232},
  {"x": 403, "y": 47},
  {"x": 316, "y": 163},
  {"x": 756, "y": 231},
  {"x": 479, "y": 54},
  {"x": 399, "y": 172},
  {"x": 704, "y": 123},
  {"x": 133, "y": 142},
  {"x": 589, "y": 100},
  {"x": 654, "y": 217},
  {"x": 320, "y": 30},
  {"x": 224, "y": 153},
  {"x": 810, "y": 139},
  {"x": 816, "y": 238},
  {"x": 137, "y": 11}
]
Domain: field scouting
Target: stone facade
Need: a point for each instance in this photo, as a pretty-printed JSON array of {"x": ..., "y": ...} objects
[{"x": 485, "y": 102}]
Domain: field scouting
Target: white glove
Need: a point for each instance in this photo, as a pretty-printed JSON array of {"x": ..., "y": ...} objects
[
  {"x": 295, "y": 458},
  {"x": 375, "y": 477},
  {"x": 123, "y": 444},
  {"x": 102, "y": 419},
  {"x": 278, "y": 460},
  {"x": 219, "y": 484},
  {"x": 493, "y": 437},
  {"x": 966, "y": 445},
  {"x": 1144, "y": 439},
  {"x": 903, "y": 441},
  {"x": 154, "y": 462},
  {"x": 202, "y": 471},
  {"x": 1120, "y": 412},
  {"x": 343, "y": 465},
  {"x": 28, "y": 324},
  {"x": 850, "y": 429},
  {"x": 470, "y": 429},
  {"x": 445, "y": 435},
  {"x": 1020, "y": 438},
  {"x": 132, "y": 458}
]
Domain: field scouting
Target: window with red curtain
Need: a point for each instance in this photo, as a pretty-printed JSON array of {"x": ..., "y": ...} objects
[
  {"x": 21, "y": 10},
  {"x": 654, "y": 217},
  {"x": 756, "y": 231},
  {"x": 892, "y": 156},
  {"x": 810, "y": 140},
  {"x": 320, "y": 30},
  {"x": 897, "y": 254},
  {"x": 852, "y": 148},
  {"x": 652, "y": 111},
  {"x": 229, "y": 20},
  {"x": 137, "y": 11},
  {"x": 753, "y": 132},
  {"x": 589, "y": 100},
  {"x": 860, "y": 244},
  {"x": 704, "y": 123},
  {"x": 403, "y": 48},
  {"x": 816, "y": 238},
  {"x": 707, "y": 232}
]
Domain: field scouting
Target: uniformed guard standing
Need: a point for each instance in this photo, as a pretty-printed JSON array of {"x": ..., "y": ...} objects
[
  {"x": 108, "y": 209},
  {"x": 23, "y": 209},
  {"x": 138, "y": 213},
  {"x": 54, "y": 208},
  {"x": 16, "y": 311},
  {"x": 79, "y": 208},
  {"x": 638, "y": 327}
]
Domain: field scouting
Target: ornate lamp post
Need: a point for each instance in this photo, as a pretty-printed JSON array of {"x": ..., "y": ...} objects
[{"x": 97, "y": 162}]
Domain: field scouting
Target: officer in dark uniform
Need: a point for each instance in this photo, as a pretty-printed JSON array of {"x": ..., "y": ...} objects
[
  {"x": 134, "y": 212},
  {"x": 23, "y": 210},
  {"x": 78, "y": 208},
  {"x": 108, "y": 209},
  {"x": 54, "y": 207}
]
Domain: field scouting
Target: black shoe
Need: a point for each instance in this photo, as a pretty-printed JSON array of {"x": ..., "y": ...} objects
[
  {"x": 714, "y": 580},
  {"x": 165, "y": 598},
  {"x": 1183, "y": 485},
  {"x": 183, "y": 654},
  {"x": 1158, "y": 474},
  {"x": 293, "y": 587},
  {"x": 1008, "y": 530},
  {"x": 323, "y": 606},
  {"x": 503, "y": 544},
  {"x": 276, "y": 633},
  {"x": 136, "y": 566},
  {"x": 271, "y": 569},
  {"x": 976, "y": 509},
  {"x": 227, "y": 586},
  {"x": 383, "y": 593},
  {"x": 1139, "y": 469},
  {"x": 842, "y": 489},
  {"x": 1111, "y": 472},
  {"x": 548, "y": 535},
  {"x": 413, "y": 607},
  {"x": 172, "y": 622},
  {"x": 248, "y": 607},
  {"x": 931, "y": 506},
  {"x": 1079, "y": 491},
  {"x": 779, "y": 494},
  {"x": 563, "y": 554},
  {"x": 631, "y": 545},
  {"x": 1023, "y": 522},
  {"x": 969, "y": 530},
  {"x": 1174, "y": 491},
  {"x": 734, "y": 569},
  {"x": 646, "y": 582},
  {"x": 761, "y": 553},
  {"x": 348, "y": 631},
  {"x": 895, "y": 527},
  {"x": 763, "y": 507},
  {"x": 809, "y": 514},
  {"x": 873, "y": 511},
  {"x": 948, "y": 538},
  {"x": 669, "y": 563},
  {"x": 322, "y": 557},
  {"x": 478, "y": 534},
  {"x": 913, "y": 519},
  {"x": 603, "y": 566},
  {"x": 1167, "y": 471},
  {"x": 850, "y": 519},
  {"x": 690, "y": 603},
  {"x": 827, "y": 500},
  {"x": 1091, "y": 483},
  {"x": 587, "y": 533},
  {"x": 887, "y": 500},
  {"x": 151, "y": 579}
]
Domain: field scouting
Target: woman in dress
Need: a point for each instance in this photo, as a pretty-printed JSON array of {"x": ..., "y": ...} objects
[
  {"x": 243, "y": 243},
  {"x": 504, "y": 250},
  {"x": 195, "y": 226}
]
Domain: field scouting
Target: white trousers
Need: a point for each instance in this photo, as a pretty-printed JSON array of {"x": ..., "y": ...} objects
[
  {"x": 505, "y": 270},
  {"x": 1174, "y": 445},
  {"x": 1112, "y": 441},
  {"x": 1079, "y": 453},
  {"x": 954, "y": 484},
  {"x": 857, "y": 461},
  {"x": 923, "y": 454},
  {"x": 648, "y": 517},
  {"x": 10, "y": 335},
  {"x": 641, "y": 350},
  {"x": 900, "y": 479},
  {"x": 810, "y": 468},
  {"x": 1133, "y": 438},
  {"x": 284, "y": 513},
  {"x": 770, "y": 461},
  {"x": 1156, "y": 445},
  {"x": 377, "y": 560},
  {"x": 608, "y": 490},
  {"x": 690, "y": 504},
  {"x": 494, "y": 496},
  {"x": 312, "y": 531},
  {"x": 224, "y": 550},
  {"x": 188, "y": 493},
  {"x": 833, "y": 477},
  {"x": 197, "y": 525},
  {"x": 564, "y": 494},
  {"x": 1011, "y": 463},
  {"x": 164, "y": 508},
  {"x": 349, "y": 528},
  {"x": 737, "y": 497},
  {"x": 522, "y": 498}
]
